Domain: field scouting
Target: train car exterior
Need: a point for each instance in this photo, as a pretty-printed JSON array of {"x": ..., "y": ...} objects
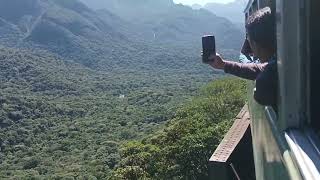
[
  {"x": 285, "y": 145},
  {"x": 286, "y": 142}
]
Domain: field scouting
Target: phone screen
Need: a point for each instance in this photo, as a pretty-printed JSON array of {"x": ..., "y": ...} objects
[{"x": 208, "y": 47}]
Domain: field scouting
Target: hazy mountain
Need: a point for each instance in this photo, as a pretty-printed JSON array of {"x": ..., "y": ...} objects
[
  {"x": 232, "y": 11},
  {"x": 74, "y": 31},
  {"x": 172, "y": 23},
  {"x": 68, "y": 28},
  {"x": 98, "y": 4},
  {"x": 196, "y": 6}
]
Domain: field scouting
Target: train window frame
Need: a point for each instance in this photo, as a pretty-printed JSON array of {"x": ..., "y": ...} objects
[
  {"x": 292, "y": 49},
  {"x": 295, "y": 96},
  {"x": 304, "y": 148},
  {"x": 313, "y": 64},
  {"x": 292, "y": 124}
]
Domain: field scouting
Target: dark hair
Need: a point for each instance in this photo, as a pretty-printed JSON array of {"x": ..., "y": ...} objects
[{"x": 261, "y": 28}]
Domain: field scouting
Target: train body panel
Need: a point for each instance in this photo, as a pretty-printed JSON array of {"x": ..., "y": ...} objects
[{"x": 285, "y": 144}]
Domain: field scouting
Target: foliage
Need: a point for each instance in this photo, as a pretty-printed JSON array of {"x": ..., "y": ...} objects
[
  {"x": 76, "y": 83},
  {"x": 62, "y": 119},
  {"x": 182, "y": 149}
]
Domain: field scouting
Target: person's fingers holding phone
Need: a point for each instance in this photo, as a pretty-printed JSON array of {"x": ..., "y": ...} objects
[
  {"x": 216, "y": 61},
  {"x": 209, "y": 55},
  {"x": 207, "y": 60}
]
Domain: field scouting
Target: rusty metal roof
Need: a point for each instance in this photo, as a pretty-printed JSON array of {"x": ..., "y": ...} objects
[{"x": 233, "y": 137}]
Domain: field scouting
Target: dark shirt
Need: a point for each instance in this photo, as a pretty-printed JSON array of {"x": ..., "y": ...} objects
[{"x": 265, "y": 75}]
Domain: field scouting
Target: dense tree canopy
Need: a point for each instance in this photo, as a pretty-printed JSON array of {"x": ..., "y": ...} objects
[
  {"x": 77, "y": 85},
  {"x": 182, "y": 149}
]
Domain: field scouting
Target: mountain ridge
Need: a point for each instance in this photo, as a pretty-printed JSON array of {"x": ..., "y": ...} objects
[
  {"x": 74, "y": 31},
  {"x": 174, "y": 23},
  {"x": 232, "y": 11}
]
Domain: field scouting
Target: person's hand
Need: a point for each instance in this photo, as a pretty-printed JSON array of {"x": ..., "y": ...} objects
[{"x": 216, "y": 61}]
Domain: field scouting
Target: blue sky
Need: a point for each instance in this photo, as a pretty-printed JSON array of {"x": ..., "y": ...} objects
[{"x": 202, "y": 2}]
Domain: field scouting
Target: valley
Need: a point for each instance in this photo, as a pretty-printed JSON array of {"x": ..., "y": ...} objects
[{"x": 77, "y": 83}]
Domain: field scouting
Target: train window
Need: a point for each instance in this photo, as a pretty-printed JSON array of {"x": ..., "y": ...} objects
[
  {"x": 314, "y": 28},
  {"x": 255, "y": 6}
]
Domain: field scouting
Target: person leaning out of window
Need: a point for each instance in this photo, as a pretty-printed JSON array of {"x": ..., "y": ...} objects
[{"x": 260, "y": 28}]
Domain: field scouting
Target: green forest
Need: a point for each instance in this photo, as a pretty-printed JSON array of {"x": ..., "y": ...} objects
[
  {"x": 54, "y": 112},
  {"x": 111, "y": 93},
  {"x": 181, "y": 150},
  {"x": 60, "y": 120},
  {"x": 79, "y": 130}
]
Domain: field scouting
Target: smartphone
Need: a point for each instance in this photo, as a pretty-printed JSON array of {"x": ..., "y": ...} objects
[{"x": 208, "y": 47}]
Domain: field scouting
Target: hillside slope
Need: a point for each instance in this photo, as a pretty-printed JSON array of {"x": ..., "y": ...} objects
[
  {"x": 232, "y": 11},
  {"x": 171, "y": 23},
  {"x": 59, "y": 119},
  {"x": 67, "y": 28},
  {"x": 99, "y": 39},
  {"x": 182, "y": 149},
  {"x": 76, "y": 83}
]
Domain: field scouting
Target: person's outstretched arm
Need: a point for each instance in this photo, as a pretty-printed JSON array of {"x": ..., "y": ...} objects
[{"x": 247, "y": 71}]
